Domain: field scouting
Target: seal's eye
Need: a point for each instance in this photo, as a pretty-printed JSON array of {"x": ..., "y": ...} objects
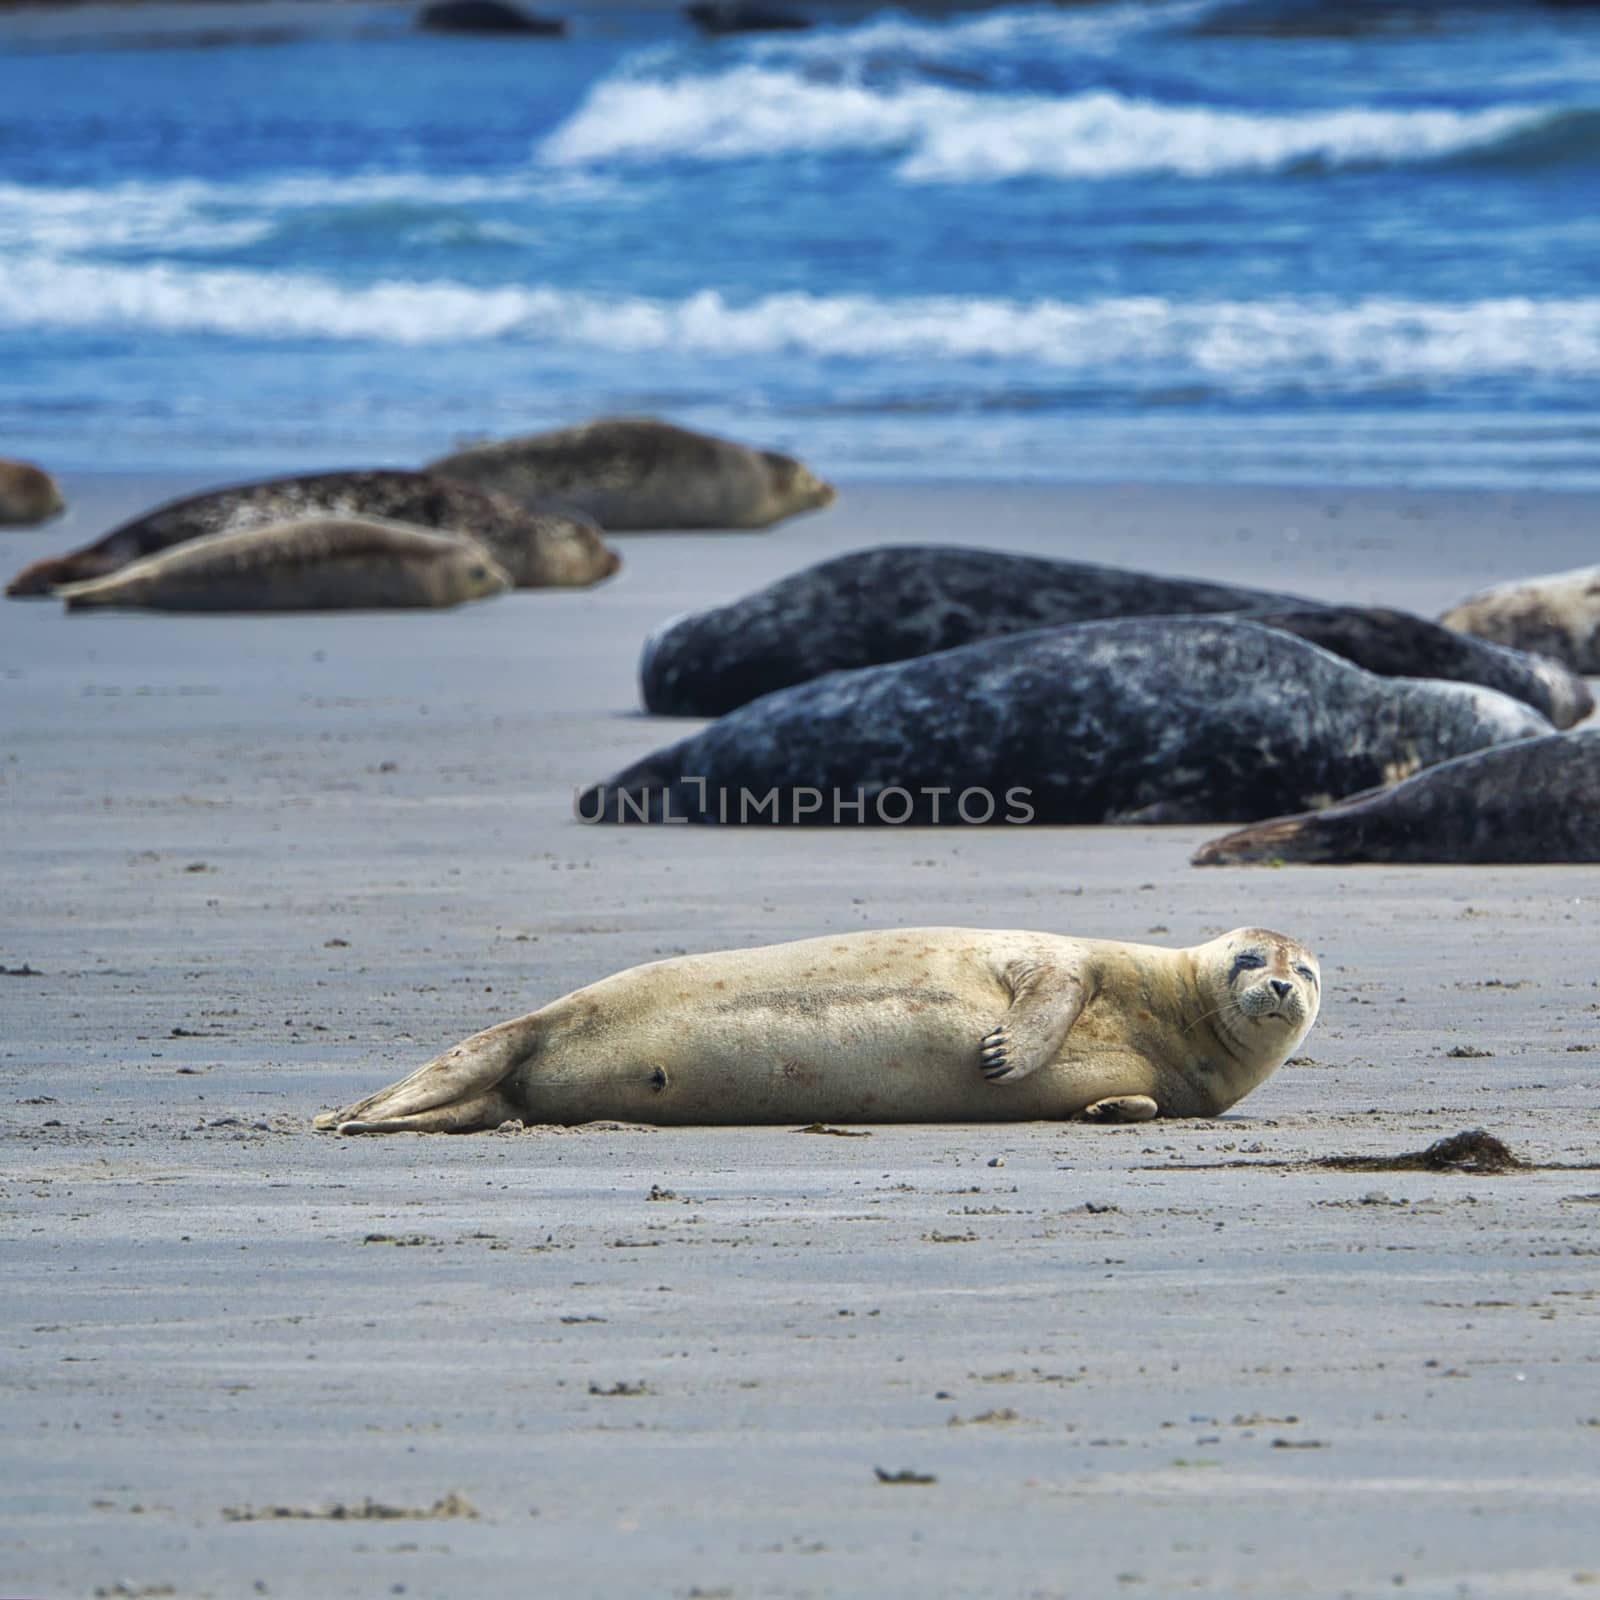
[
  {"x": 1307, "y": 974},
  {"x": 1248, "y": 959}
]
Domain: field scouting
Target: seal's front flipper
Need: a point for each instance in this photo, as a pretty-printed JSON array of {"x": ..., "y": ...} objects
[
  {"x": 458, "y": 1092},
  {"x": 1046, "y": 999},
  {"x": 1121, "y": 1108}
]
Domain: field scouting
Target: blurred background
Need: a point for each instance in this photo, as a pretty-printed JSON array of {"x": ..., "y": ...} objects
[{"x": 1224, "y": 240}]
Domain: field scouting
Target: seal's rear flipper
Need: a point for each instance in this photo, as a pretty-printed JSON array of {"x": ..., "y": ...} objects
[
  {"x": 460, "y": 1116},
  {"x": 458, "y": 1092},
  {"x": 1121, "y": 1108}
]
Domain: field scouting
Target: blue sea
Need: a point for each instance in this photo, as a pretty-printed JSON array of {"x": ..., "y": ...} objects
[{"x": 1194, "y": 240}]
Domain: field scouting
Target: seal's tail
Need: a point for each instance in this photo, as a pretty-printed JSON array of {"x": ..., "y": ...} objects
[
  {"x": 458, "y": 1092},
  {"x": 41, "y": 577},
  {"x": 1295, "y": 838}
]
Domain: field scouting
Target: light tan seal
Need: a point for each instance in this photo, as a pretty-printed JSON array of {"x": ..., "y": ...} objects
[
  {"x": 1557, "y": 616},
  {"x": 28, "y": 494},
  {"x": 913, "y": 1025},
  {"x": 632, "y": 473},
  {"x": 317, "y": 564}
]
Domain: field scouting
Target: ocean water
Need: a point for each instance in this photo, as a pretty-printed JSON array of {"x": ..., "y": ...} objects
[{"x": 1167, "y": 239}]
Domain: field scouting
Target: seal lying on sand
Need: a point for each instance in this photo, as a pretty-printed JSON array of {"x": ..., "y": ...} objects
[
  {"x": 1524, "y": 802},
  {"x": 1395, "y": 644},
  {"x": 1557, "y": 616},
  {"x": 487, "y": 17},
  {"x": 914, "y": 1025},
  {"x": 28, "y": 494},
  {"x": 316, "y": 564},
  {"x": 637, "y": 473},
  {"x": 898, "y": 601},
  {"x": 1163, "y": 719},
  {"x": 536, "y": 548}
]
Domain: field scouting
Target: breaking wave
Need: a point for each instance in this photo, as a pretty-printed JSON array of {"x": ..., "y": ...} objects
[
  {"x": 1320, "y": 344},
  {"x": 948, "y": 135}
]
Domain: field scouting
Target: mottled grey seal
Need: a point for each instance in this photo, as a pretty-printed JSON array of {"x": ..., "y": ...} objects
[
  {"x": 1524, "y": 802},
  {"x": 537, "y": 548},
  {"x": 1183, "y": 719},
  {"x": 897, "y": 601},
  {"x": 28, "y": 494},
  {"x": 908, "y": 1025},
  {"x": 487, "y": 17},
  {"x": 1557, "y": 616},
  {"x": 315, "y": 564},
  {"x": 737, "y": 16},
  {"x": 633, "y": 473}
]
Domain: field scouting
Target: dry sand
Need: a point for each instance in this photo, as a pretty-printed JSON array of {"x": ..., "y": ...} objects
[{"x": 258, "y": 865}]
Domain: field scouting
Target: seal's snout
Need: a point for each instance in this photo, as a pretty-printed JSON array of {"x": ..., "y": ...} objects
[{"x": 1282, "y": 988}]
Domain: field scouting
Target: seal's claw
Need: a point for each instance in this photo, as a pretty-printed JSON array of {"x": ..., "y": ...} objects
[{"x": 994, "y": 1056}]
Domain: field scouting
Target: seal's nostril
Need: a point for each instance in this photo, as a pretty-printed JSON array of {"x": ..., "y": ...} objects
[{"x": 1281, "y": 987}]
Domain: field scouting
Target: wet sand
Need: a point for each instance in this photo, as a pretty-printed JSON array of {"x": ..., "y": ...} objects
[{"x": 257, "y": 866}]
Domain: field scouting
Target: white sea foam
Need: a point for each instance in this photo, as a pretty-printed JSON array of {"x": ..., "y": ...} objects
[
  {"x": 961, "y": 136},
  {"x": 1017, "y": 32},
  {"x": 986, "y": 39},
  {"x": 1238, "y": 345},
  {"x": 190, "y": 214}
]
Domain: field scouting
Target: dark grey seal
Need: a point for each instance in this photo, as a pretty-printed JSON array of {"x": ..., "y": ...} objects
[
  {"x": 1525, "y": 802},
  {"x": 736, "y": 16},
  {"x": 1186, "y": 719},
  {"x": 536, "y": 548},
  {"x": 897, "y": 601},
  {"x": 636, "y": 472},
  {"x": 492, "y": 17}
]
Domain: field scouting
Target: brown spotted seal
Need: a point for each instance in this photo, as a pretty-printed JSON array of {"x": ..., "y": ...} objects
[
  {"x": 909, "y": 1025},
  {"x": 633, "y": 473},
  {"x": 316, "y": 564},
  {"x": 28, "y": 494},
  {"x": 538, "y": 548},
  {"x": 1557, "y": 616}
]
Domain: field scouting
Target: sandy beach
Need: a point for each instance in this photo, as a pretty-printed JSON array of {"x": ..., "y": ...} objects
[{"x": 256, "y": 865}]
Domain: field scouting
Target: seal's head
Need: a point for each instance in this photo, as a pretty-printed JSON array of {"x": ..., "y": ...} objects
[
  {"x": 1266, "y": 988},
  {"x": 574, "y": 553},
  {"x": 569, "y": 551},
  {"x": 795, "y": 487},
  {"x": 474, "y": 575}
]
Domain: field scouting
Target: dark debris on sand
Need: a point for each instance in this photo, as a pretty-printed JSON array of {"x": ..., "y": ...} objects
[{"x": 1473, "y": 1151}]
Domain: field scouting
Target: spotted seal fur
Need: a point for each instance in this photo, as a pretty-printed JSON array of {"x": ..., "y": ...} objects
[
  {"x": 28, "y": 495},
  {"x": 907, "y": 1025},
  {"x": 633, "y": 473},
  {"x": 1167, "y": 719},
  {"x": 1527, "y": 802},
  {"x": 893, "y": 602},
  {"x": 315, "y": 564},
  {"x": 536, "y": 548},
  {"x": 1557, "y": 616}
]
